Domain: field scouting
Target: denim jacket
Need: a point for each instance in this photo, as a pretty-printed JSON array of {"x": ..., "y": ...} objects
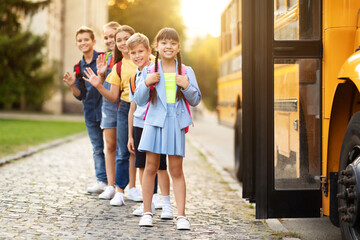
[{"x": 93, "y": 99}]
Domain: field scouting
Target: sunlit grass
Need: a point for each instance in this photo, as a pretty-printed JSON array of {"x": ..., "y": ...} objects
[{"x": 19, "y": 135}]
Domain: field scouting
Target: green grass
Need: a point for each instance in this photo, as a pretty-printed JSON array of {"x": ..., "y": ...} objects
[{"x": 18, "y": 135}]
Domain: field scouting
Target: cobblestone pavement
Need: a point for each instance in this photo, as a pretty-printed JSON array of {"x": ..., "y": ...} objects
[{"x": 43, "y": 197}]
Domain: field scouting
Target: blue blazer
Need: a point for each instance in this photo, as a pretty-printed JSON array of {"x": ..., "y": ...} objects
[{"x": 157, "y": 112}]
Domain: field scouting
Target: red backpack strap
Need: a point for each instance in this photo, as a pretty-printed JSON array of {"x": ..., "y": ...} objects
[
  {"x": 118, "y": 71},
  {"x": 183, "y": 69},
  {"x": 78, "y": 74},
  {"x": 77, "y": 70}
]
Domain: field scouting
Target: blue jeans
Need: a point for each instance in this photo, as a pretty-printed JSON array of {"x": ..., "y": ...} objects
[
  {"x": 96, "y": 139},
  {"x": 122, "y": 152}
]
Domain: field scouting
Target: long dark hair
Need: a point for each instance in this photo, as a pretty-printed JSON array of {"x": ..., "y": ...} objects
[
  {"x": 124, "y": 28},
  {"x": 171, "y": 34}
]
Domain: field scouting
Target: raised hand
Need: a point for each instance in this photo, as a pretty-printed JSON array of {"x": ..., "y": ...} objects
[
  {"x": 182, "y": 81},
  {"x": 152, "y": 78},
  {"x": 92, "y": 78},
  {"x": 101, "y": 66},
  {"x": 69, "y": 79}
]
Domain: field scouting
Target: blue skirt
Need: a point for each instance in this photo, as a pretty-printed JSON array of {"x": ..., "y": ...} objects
[{"x": 169, "y": 140}]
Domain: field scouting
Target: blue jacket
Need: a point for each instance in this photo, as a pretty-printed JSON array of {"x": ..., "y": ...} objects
[
  {"x": 93, "y": 100},
  {"x": 157, "y": 112}
]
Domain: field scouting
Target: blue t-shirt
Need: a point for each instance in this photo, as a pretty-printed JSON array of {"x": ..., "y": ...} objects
[
  {"x": 139, "y": 113},
  {"x": 93, "y": 99}
]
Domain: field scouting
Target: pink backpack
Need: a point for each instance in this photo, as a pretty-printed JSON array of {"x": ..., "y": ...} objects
[{"x": 183, "y": 71}]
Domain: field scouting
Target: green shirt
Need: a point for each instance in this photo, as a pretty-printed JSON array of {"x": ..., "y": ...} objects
[{"x": 170, "y": 85}]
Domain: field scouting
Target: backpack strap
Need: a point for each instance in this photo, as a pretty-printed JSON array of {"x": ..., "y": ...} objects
[
  {"x": 118, "y": 71},
  {"x": 183, "y": 72},
  {"x": 77, "y": 70},
  {"x": 78, "y": 74},
  {"x": 132, "y": 82},
  {"x": 109, "y": 60}
]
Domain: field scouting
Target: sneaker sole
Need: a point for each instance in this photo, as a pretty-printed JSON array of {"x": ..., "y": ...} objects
[
  {"x": 135, "y": 200},
  {"x": 146, "y": 225},
  {"x": 98, "y": 192},
  {"x": 102, "y": 198},
  {"x": 183, "y": 229},
  {"x": 116, "y": 205},
  {"x": 167, "y": 217}
]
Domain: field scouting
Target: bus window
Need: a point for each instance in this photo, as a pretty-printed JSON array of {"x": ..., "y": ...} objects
[
  {"x": 296, "y": 20},
  {"x": 296, "y": 123}
]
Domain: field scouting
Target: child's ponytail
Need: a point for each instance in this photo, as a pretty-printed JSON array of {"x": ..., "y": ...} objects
[
  {"x": 153, "y": 93},
  {"x": 179, "y": 94}
]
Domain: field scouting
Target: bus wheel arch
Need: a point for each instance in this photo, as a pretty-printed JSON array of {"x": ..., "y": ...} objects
[
  {"x": 341, "y": 112},
  {"x": 349, "y": 180}
]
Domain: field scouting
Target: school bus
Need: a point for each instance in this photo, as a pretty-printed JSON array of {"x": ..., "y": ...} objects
[{"x": 289, "y": 84}]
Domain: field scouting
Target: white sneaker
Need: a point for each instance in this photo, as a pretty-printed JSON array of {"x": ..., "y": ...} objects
[
  {"x": 99, "y": 187},
  {"x": 134, "y": 194},
  {"x": 156, "y": 201},
  {"x": 146, "y": 220},
  {"x": 108, "y": 193},
  {"x": 140, "y": 210},
  {"x": 182, "y": 223},
  {"x": 118, "y": 199},
  {"x": 167, "y": 211}
]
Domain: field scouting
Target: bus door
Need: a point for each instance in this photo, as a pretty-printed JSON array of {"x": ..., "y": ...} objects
[
  {"x": 287, "y": 175},
  {"x": 297, "y": 109}
]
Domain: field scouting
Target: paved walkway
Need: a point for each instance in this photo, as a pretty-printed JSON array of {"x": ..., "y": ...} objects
[{"x": 42, "y": 197}]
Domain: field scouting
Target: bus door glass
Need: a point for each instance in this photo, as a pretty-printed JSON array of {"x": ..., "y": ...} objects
[
  {"x": 296, "y": 96},
  {"x": 296, "y": 58}
]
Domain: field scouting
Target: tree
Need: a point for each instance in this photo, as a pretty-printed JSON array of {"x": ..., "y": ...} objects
[
  {"x": 203, "y": 58},
  {"x": 23, "y": 81},
  {"x": 148, "y": 16}
]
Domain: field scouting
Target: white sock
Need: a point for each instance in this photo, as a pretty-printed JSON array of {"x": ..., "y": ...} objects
[{"x": 166, "y": 199}]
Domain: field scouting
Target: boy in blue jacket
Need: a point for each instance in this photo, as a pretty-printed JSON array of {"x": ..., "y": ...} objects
[{"x": 91, "y": 100}]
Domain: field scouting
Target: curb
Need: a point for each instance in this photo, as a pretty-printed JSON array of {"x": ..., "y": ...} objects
[
  {"x": 273, "y": 224},
  {"x": 39, "y": 148}
]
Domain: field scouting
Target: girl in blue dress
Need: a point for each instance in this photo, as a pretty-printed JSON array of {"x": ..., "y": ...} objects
[{"x": 167, "y": 117}]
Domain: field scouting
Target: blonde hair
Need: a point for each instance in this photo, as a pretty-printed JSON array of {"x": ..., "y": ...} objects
[
  {"x": 137, "y": 39},
  {"x": 112, "y": 24},
  {"x": 84, "y": 29}
]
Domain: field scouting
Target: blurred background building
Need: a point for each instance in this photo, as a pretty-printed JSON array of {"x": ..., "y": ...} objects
[{"x": 59, "y": 21}]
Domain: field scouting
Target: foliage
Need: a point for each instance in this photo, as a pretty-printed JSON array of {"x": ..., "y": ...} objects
[
  {"x": 18, "y": 135},
  {"x": 148, "y": 16},
  {"x": 203, "y": 58},
  {"x": 23, "y": 80}
]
